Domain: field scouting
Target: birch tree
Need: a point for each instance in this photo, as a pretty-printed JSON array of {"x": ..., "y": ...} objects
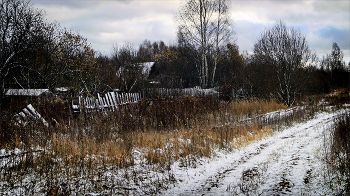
[
  {"x": 286, "y": 49},
  {"x": 205, "y": 25},
  {"x": 223, "y": 32}
]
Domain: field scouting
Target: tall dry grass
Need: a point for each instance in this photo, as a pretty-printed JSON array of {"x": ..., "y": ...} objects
[
  {"x": 161, "y": 131},
  {"x": 338, "y": 97},
  {"x": 166, "y": 130},
  {"x": 152, "y": 126},
  {"x": 253, "y": 107},
  {"x": 339, "y": 154}
]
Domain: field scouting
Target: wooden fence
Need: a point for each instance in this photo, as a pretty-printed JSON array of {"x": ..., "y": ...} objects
[
  {"x": 177, "y": 92},
  {"x": 109, "y": 101},
  {"x": 29, "y": 114}
]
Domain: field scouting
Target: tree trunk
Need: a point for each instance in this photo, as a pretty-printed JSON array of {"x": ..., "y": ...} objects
[
  {"x": 2, "y": 95},
  {"x": 206, "y": 72},
  {"x": 214, "y": 70}
]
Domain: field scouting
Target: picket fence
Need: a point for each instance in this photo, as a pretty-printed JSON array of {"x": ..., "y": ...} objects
[
  {"x": 177, "y": 92},
  {"x": 29, "y": 114},
  {"x": 109, "y": 101}
]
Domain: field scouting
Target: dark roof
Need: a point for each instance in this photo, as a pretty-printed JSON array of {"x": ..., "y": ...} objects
[{"x": 27, "y": 92}]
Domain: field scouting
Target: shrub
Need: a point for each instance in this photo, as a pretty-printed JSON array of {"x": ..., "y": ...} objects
[
  {"x": 338, "y": 97},
  {"x": 340, "y": 149}
]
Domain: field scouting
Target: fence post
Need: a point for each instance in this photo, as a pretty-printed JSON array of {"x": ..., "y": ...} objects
[
  {"x": 100, "y": 100},
  {"x": 114, "y": 99},
  {"x": 80, "y": 104},
  {"x": 109, "y": 100}
]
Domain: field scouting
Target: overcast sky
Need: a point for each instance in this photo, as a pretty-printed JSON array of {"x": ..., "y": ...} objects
[{"x": 108, "y": 22}]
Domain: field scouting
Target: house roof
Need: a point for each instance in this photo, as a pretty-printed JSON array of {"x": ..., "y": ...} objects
[
  {"x": 146, "y": 67},
  {"x": 27, "y": 92},
  {"x": 62, "y": 89}
]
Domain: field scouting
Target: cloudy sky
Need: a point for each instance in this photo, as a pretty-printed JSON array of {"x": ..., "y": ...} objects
[{"x": 108, "y": 22}]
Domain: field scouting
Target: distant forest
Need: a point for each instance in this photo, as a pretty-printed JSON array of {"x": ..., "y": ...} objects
[{"x": 38, "y": 54}]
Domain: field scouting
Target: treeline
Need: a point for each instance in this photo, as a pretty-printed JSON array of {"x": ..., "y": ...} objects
[
  {"x": 250, "y": 75},
  {"x": 174, "y": 66},
  {"x": 38, "y": 54}
]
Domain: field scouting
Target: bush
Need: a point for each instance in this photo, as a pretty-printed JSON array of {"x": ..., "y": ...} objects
[
  {"x": 340, "y": 149},
  {"x": 338, "y": 97}
]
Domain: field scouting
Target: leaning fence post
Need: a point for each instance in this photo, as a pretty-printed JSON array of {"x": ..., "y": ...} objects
[
  {"x": 114, "y": 100},
  {"x": 80, "y": 105}
]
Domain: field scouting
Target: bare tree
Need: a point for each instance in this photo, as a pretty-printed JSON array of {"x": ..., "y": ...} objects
[
  {"x": 336, "y": 68},
  {"x": 334, "y": 60},
  {"x": 286, "y": 49},
  {"x": 223, "y": 32},
  {"x": 337, "y": 57},
  {"x": 130, "y": 75},
  {"x": 20, "y": 26},
  {"x": 145, "y": 52},
  {"x": 73, "y": 62},
  {"x": 205, "y": 25}
]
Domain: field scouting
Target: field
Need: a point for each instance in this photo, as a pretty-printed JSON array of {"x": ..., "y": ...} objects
[{"x": 187, "y": 145}]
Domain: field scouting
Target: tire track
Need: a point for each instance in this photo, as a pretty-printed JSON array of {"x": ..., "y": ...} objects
[{"x": 268, "y": 167}]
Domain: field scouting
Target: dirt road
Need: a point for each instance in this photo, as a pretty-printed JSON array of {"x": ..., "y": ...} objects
[{"x": 289, "y": 162}]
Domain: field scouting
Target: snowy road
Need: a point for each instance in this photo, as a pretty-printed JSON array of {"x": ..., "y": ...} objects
[{"x": 289, "y": 162}]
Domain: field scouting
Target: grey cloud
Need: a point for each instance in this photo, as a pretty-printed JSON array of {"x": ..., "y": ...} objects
[
  {"x": 105, "y": 22},
  {"x": 331, "y": 6},
  {"x": 335, "y": 13},
  {"x": 77, "y": 4}
]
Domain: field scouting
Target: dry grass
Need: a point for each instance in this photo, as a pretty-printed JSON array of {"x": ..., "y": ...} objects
[
  {"x": 338, "y": 97},
  {"x": 253, "y": 107},
  {"x": 178, "y": 129},
  {"x": 167, "y": 129},
  {"x": 340, "y": 150},
  {"x": 162, "y": 131}
]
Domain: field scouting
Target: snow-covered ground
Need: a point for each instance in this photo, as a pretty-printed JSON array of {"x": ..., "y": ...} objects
[{"x": 289, "y": 162}]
